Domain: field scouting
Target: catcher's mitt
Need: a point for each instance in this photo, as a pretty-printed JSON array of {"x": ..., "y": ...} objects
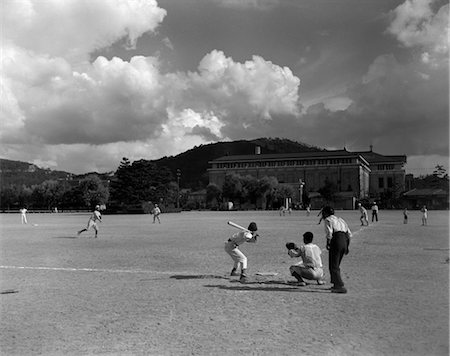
[{"x": 291, "y": 246}]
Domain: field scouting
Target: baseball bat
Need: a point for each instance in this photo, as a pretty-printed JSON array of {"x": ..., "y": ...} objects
[{"x": 237, "y": 226}]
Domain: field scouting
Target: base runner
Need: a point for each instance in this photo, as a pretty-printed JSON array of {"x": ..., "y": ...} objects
[{"x": 232, "y": 248}]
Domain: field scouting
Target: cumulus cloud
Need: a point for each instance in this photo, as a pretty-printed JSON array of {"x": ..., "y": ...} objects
[
  {"x": 74, "y": 28},
  {"x": 56, "y": 99},
  {"x": 415, "y": 23}
]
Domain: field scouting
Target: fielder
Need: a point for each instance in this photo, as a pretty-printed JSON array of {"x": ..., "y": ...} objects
[
  {"x": 156, "y": 212},
  {"x": 95, "y": 217},
  {"x": 23, "y": 215},
  {"x": 310, "y": 267},
  {"x": 232, "y": 248},
  {"x": 364, "y": 216}
]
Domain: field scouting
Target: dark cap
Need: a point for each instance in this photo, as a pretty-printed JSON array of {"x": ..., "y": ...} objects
[
  {"x": 327, "y": 211},
  {"x": 308, "y": 237},
  {"x": 252, "y": 227}
]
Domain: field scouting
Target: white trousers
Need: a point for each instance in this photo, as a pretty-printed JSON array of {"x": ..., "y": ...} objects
[{"x": 238, "y": 257}]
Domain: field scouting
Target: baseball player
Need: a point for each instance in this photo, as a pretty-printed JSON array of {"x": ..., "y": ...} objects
[
  {"x": 232, "y": 248},
  {"x": 95, "y": 217},
  {"x": 23, "y": 215},
  {"x": 364, "y": 216},
  {"x": 156, "y": 212},
  {"x": 311, "y": 265}
]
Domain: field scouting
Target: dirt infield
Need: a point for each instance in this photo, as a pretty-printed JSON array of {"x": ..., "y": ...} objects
[{"x": 164, "y": 289}]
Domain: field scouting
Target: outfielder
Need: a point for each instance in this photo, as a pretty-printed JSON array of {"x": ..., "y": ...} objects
[
  {"x": 232, "y": 248},
  {"x": 156, "y": 212},
  {"x": 311, "y": 265},
  {"x": 96, "y": 216},
  {"x": 23, "y": 215}
]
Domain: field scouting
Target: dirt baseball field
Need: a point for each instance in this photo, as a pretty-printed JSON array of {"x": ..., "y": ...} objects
[{"x": 164, "y": 289}]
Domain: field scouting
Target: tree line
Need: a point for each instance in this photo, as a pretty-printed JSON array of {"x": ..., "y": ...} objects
[{"x": 136, "y": 186}]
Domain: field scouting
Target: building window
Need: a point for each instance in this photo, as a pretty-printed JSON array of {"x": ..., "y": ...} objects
[
  {"x": 380, "y": 182},
  {"x": 390, "y": 182}
]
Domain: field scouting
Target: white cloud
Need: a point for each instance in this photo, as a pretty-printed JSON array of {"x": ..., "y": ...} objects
[
  {"x": 65, "y": 106},
  {"x": 415, "y": 24},
  {"x": 74, "y": 28}
]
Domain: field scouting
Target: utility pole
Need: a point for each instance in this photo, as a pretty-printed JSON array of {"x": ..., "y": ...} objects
[
  {"x": 300, "y": 189},
  {"x": 178, "y": 188}
]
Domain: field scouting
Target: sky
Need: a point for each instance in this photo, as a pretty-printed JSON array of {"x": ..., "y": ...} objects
[{"x": 85, "y": 83}]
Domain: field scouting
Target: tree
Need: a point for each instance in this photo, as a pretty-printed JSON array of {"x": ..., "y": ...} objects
[
  {"x": 281, "y": 193},
  {"x": 329, "y": 190},
  {"x": 232, "y": 188},
  {"x": 213, "y": 195},
  {"x": 93, "y": 191},
  {"x": 440, "y": 172},
  {"x": 139, "y": 182},
  {"x": 266, "y": 188}
]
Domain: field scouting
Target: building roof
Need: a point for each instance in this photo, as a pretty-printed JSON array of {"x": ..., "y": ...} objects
[
  {"x": 373, "y": 157},
  {"x": 296, "y": 155},
  {"x": 426, "y": 192}
]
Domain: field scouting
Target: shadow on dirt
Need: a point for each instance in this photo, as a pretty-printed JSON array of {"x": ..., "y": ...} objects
[
  {"x": 252, "y": 287},
  {"x": 198, "y": 276},
  {"x": 65, "y": 237}
]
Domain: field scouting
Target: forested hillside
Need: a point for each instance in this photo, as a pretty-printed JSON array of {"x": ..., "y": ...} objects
[
  {"x": 193, "y": 164},
  {"x": 22, "y": 173}
]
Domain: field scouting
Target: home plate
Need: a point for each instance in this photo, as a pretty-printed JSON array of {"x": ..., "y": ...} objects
[{"x": 266, "y": 273}]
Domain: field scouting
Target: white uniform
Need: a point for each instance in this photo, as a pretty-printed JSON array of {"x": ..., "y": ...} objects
[
  {"x": 92, "y": 222},
  {"x": 23, "y": 215},
  {"x": 232, "y": 248},
  {"x": 96, "y": 216},
  {"x": 311, "y": 265}
]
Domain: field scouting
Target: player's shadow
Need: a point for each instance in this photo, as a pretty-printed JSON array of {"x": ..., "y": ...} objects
[
  {"x": 251, "y": 287},
  {"x": 197, "y": 276},
  {"x": 65, "y": 237}
]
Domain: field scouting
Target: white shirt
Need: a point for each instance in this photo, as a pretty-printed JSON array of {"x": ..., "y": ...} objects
[
  {"x": 310, "y": 254},
  {"x": 335, "y": 224},
  {"x": 96, "y": 216},
  {"x": 242, "y": 236}
]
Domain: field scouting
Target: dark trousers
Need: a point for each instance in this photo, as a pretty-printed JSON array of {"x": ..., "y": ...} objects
[
  {"x": 338, "y": 247},
  {"x": 374, "y": 216}
]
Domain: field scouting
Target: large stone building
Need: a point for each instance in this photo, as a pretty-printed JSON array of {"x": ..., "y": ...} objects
[{"x": 357, "y": 175}]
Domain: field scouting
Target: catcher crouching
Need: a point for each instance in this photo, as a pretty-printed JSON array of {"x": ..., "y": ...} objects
[{"x": 310, "y": 267}]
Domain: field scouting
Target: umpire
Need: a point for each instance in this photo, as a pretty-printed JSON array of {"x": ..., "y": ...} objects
[{"x": 338, "y": 239}]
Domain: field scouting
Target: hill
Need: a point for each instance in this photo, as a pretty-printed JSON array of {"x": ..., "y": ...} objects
[
  {"x": 193, "y": 164},
  {"x": 22, "y": 173}
]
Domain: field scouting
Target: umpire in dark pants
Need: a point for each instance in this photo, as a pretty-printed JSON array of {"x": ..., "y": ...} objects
[{"x": 338, "y": 240}]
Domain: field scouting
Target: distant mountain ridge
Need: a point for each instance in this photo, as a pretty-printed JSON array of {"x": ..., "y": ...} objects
[{"x": 193, "y": 164}]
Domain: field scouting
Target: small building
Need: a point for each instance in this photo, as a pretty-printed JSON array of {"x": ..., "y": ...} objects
[{"x": 432, "y": 198}]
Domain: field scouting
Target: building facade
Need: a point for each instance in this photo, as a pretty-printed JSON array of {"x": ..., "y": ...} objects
[
  {"x": 359, "y": 175},
  {"x": 387, "y": 173}
]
